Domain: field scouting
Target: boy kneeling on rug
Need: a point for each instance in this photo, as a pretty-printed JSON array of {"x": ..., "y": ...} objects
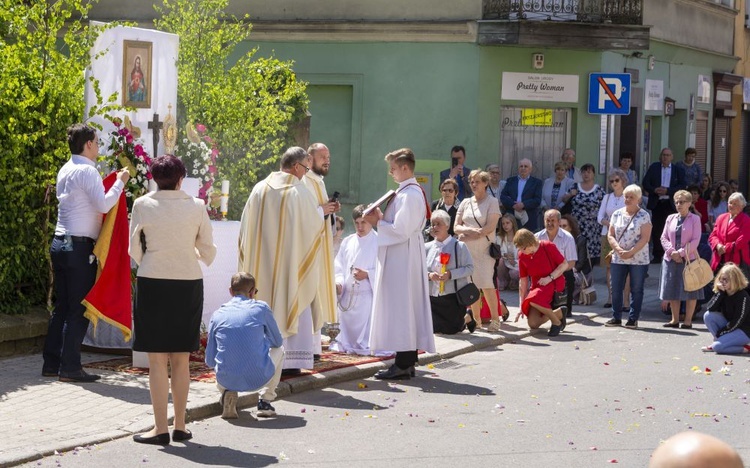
[{"x": 245, "y": 348}]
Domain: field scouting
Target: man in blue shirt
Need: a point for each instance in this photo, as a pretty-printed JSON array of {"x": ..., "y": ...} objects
[{"x": 245, "y": 348}]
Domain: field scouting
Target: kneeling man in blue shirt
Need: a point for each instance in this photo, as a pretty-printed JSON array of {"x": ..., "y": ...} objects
[{"x": 245, "y": 348}]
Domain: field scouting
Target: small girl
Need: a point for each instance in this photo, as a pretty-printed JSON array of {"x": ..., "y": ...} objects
[{"x": 507, "y": 266}]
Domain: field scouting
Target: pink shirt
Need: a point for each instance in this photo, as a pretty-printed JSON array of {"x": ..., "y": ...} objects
[{"x": 689, "y": 238}]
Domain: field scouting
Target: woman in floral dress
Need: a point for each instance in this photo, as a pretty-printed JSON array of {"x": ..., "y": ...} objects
[{"x": 587, "y": 197}]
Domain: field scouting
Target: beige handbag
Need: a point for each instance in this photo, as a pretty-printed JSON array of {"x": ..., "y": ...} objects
[
  {"x": 587, "y": 296},
  {"x": 696, "y": 274}
]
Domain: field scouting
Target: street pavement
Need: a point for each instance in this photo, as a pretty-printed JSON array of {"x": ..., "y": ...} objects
[{"x": 594, "y": 395}]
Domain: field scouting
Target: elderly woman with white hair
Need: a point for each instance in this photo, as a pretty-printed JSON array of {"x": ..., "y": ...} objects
[
  {"x": 730, "y": 237},
  {"x": 448, "y": 315},
  {"x": 628, "y": 235}
]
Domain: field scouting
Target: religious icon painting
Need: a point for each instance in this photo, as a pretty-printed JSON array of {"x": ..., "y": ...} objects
[{"x": 136, "y": 74}]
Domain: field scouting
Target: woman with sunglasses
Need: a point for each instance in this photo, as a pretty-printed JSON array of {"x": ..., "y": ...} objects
[
  {"x": 447, "y": 202},
  {"x": 680, "y": 239}
]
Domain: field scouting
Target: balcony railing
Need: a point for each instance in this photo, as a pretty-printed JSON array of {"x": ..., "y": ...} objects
[{"x": 584, "y": 11}]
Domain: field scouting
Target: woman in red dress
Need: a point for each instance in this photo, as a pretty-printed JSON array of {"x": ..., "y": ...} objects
[{"x": 541, "y": 261}]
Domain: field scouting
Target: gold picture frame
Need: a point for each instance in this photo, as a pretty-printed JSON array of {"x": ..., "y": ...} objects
[{"x": 137, "y": 72}]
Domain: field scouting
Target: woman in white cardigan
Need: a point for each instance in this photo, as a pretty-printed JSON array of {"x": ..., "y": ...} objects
[
  {"x": 448, "y": 316},
  {"x": 169, "y": 232}
]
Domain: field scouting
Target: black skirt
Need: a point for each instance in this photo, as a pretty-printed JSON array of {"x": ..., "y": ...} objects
[
  {"x": 447, "y": 314},
  {"x": 167, "y": 315}
]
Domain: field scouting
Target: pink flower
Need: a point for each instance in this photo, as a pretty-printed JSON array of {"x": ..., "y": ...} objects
[
  {"x": 214, "y": 152},
  {"x": 123, "y": 131},
  {"x": 208, "y": 139},
  {"x": 212, "y": 169},
  {"x": 129, "y": 138},
  {"x": 138, "y": 150},
  {"x": 148, "y": 175},
  {"x": 201, "y": 128},
  {"x": 201, "y": 193},
  {"x": 117, "y": 122}
]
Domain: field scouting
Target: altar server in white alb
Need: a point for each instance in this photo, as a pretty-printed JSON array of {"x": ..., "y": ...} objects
[
  {"x": 325, "y": 300},
  {"x": 355, "y": 265},
  {"x": 401, "y": 318},
  {"x": 280, "y": 242}
]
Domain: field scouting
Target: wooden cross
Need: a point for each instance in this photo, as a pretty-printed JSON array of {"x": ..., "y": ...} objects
[{"x": 155, "y": 125}]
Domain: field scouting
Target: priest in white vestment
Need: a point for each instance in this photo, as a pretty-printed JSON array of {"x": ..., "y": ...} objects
[
  {"x": 325, "y": 300},
  {"x": 277, "y": 248},
  {"x": 401, "y": 317},
  {"x": 355, "y": 265}
]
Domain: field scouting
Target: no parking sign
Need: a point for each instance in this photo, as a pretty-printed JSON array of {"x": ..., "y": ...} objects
[{"x": 609, "y": 93}]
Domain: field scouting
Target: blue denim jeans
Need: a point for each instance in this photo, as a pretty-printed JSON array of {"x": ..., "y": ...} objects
[
  {"x": 75, "y": 274},
  {"x": 619, "y": 273},
  {"x": 728, "y": 343}
]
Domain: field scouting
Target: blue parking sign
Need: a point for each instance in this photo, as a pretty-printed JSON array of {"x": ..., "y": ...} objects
[{"x": 609, "y": 93}]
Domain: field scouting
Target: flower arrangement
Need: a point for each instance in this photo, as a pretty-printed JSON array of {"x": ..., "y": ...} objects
[
  {"x": 127, "y": 151},
  {"x": 199, "y": 153}
]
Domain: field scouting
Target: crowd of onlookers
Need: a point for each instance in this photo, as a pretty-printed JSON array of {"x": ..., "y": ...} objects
[{"x": 550, "y": 233}]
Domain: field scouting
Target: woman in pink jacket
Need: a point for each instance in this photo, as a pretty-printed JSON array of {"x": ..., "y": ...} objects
[
  {"x": 680, "y": 238},
  {"x": 730, "y": 237}
]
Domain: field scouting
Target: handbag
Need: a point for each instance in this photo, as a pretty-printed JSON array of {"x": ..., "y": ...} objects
[
  {"x": 587, "y": 296},
  {"x": 469, "y": 294},
  {"x": 559, "y": 298},
  {"x": 494, "y": 248},
  {"x": 697, "y": 273},
  {"x": 567, "y": 208}
]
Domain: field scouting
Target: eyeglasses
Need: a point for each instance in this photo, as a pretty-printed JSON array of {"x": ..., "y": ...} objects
[
  {"x": 723, "y": 279},
  {"x": 307, "y": 169},
  {"x": 722, "y": 191},
  {"x": 449, "y": 190},
  {"x": 613, "y": 181},
  {"x": 680, "y": 202}
]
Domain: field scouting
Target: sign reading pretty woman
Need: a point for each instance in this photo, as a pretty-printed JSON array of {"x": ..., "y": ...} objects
[{"x": 539, "y": 87}]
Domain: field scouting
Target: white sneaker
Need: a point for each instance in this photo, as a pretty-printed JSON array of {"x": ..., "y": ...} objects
[{"x": 229, "y": 403}]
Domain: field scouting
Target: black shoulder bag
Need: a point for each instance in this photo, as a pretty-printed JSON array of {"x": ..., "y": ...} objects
[
  {"x": 495, "y": 251},
  {"x": 469, "y": 294},
  {"x": 559, "y": 298}
]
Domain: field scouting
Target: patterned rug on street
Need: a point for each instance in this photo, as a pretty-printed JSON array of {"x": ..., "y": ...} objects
[{"x": 199, "y": 372}]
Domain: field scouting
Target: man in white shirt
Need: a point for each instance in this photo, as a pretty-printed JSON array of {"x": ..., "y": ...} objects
[
  {"x": 401, "y": 313},
  {"x": 82, "y": 201},
  {"x": 566, "y": 244}
]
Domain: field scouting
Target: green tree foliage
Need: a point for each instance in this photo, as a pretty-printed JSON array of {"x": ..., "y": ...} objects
[
  {"x": 44, "y": 49},
  {"x": 247, "y": 105}
]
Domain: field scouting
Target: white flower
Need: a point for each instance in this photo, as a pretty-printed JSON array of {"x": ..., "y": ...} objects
[
  {"x": 195, "y": 171},
  {"x": 203, "y": 171}
]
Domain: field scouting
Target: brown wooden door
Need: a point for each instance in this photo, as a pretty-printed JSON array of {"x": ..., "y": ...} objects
[{"x": 719, "y": 163}]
